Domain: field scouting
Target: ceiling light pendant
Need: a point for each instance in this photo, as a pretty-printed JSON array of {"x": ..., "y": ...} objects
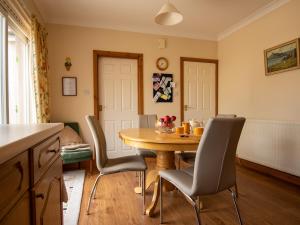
[{"x": 168, "y": 15}]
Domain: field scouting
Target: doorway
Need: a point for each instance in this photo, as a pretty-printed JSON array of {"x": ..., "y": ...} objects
[
  {"x": 118, "y": 91},
  {"x": 199, "y": 88}
]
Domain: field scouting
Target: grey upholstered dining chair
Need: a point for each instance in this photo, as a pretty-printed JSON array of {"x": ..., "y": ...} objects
[
  {"x": 189, "y": 157},
  {"x": 147, "y": 121},
  {"x": 107, "y": 166},
  {"x": 226, "y": 116},
  {"x": 214, "y": 169}
]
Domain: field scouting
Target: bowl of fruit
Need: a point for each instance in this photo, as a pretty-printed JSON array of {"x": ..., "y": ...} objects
[{"x": 166, "y": 124}]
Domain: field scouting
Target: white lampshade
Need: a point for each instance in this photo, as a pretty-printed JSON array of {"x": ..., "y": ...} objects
[{"x": 168, "y": 15}]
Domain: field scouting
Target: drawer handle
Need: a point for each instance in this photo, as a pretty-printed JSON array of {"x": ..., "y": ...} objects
[
  {"x": 20, "y": 169},
  {"x": 41, "y": 195},
  {"x": 52, "y": 151}
]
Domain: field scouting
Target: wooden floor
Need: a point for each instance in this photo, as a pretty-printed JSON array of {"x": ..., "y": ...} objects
[{"x": 263, "y": 200}]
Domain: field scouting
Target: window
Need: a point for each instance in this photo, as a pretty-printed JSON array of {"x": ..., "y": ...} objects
[
  {"x": 19, "y": 83},
  {"x": 16, "y": 89},
  {"x": 2, "y": 70}
]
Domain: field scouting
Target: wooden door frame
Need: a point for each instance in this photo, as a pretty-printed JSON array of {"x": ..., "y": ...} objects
[
  {"x": 189, "y": 59},
  {"x": 140, "y": 80}
]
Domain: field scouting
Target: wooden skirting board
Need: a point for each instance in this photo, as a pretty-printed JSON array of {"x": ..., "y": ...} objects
[{"x": 269, "y": 171}]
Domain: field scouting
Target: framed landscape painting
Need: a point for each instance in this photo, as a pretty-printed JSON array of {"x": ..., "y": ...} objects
[{"x": 282, "y": 58}]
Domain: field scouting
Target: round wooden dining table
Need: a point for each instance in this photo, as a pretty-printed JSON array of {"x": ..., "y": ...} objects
[{"x": 165, "y": 145}]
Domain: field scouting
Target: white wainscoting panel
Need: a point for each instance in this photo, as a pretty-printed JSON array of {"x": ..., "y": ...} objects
[{"x": 275, "y": 144}]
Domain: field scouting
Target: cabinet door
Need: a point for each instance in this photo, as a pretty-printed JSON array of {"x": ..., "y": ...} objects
[
  {"x": 14, "y": 182},
  {"x": 47, "y": 196},
  {"x": 20, "y": 214}
]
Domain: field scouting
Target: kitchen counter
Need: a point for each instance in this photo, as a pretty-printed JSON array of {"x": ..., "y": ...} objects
[
  {"x": 15, "y": 139},
  {"x": 31, "y": 174}
]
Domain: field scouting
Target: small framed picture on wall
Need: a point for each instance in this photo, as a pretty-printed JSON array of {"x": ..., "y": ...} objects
[{"x": 69, "y": 86}]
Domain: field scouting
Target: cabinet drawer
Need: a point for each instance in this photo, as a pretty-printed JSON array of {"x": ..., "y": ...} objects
[
  {"x": 47, "y": 203},
  {"x": 14, "y": 181},
  {"x": 43, "y": 156},
  {"x": 20, "y": 214}
]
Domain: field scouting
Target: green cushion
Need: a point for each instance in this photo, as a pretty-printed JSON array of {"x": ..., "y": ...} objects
[{"x": 76, "y": 156}]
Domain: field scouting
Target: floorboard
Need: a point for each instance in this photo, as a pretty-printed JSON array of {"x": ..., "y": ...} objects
[{"x": 263, "y": 201}]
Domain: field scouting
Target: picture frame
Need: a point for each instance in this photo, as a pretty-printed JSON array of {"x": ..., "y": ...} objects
[
  {"x": 69, "y": 86},
  {"x": 282, "y": 58}
]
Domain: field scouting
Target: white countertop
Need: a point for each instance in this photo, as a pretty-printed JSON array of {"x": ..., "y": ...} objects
[{"x": 16, "y": 138}]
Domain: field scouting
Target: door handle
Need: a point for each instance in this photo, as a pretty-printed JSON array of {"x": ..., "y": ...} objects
[
  {"x": 100, "y": 107},
  {"x": 186, "y": 107}
]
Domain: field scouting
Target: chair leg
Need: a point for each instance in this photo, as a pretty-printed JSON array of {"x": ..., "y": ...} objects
[
  {"x": 179, "y": 162},
  {"x": 95, "y": 191},
  {"x": 144, "y": 189},
  {"x": 161, "y": 200},
  {"x": 233, "y": 194},
  {"x": 92, "y": 194},
  {"x": 190, "y": 200},
  {"x": 197, "y": 212},
  {"x": 200, "y": 203},
  {"x": 236, "y": 190}
]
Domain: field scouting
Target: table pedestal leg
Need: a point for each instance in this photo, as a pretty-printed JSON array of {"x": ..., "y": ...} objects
[
  {"x": 165, "y": 160},
  {"x": 150, "y": 179}
]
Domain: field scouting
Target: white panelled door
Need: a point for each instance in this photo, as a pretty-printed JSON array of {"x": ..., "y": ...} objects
[
  {"x": 118, "y": 98},
  {"x": 199, "y": 90}
]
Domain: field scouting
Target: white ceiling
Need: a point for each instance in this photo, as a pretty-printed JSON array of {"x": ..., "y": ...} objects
[{"x": 203, "y": 19}]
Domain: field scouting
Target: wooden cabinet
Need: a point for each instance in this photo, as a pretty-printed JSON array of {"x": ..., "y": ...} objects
[
  {"x": 14, "y": 182},
  {"x": 31, "y": 182},
  {"x": 47, "y": 197},
  {"x": 20, "y": 214}
]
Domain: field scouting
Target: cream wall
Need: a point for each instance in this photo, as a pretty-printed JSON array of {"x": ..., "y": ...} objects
[
  {"x": 243, "y": 87},
  {"x": 79, "y": 43}
]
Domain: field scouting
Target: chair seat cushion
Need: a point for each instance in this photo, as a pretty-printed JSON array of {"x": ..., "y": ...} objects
[
  {"x": 122, "y": 164},
  {"x": 76, "y": 156},
  {"x": 183, "y": 181},
  {"x": 189, "y": 170},
  {"x": 146, "y": 153}
]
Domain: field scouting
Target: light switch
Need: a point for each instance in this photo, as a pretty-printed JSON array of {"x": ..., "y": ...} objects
[
  {"x": 86, "y": 92},
  {"x": 162, "y": 43}
]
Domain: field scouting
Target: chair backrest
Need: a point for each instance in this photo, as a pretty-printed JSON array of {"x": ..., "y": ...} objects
[
  {"x": 214, "y": 169},
  {"x": 147, "y": 121},
  {"x": 99, "y": 141},
  {"x": 226, "y": 116}
]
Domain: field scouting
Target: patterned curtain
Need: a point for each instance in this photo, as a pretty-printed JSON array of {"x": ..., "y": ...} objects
[{"x": 40, "y": 71}]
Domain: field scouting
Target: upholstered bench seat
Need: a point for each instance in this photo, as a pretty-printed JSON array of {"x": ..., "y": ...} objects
[
  {"x": 73, "y": 149},
  {"x": 76, "y": 156}
]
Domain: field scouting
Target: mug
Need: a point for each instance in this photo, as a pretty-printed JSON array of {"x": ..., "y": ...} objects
[
  {"x": 186, "y": 127},
  {"x": 179, "y": 130},
  {"x": 198, "y": 131}
]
